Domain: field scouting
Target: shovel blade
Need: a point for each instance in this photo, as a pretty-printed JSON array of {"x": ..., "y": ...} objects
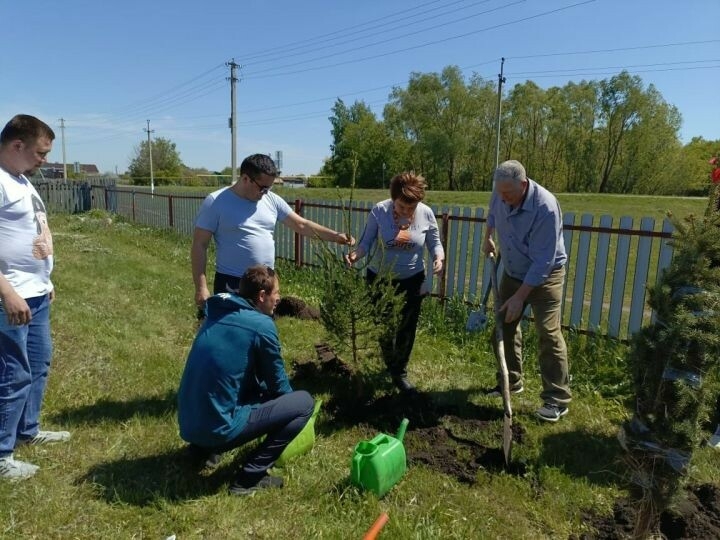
[{"x": 507, "y": 438}]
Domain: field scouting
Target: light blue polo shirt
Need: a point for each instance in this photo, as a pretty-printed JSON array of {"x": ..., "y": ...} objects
[{"x": 530, "y": 236}]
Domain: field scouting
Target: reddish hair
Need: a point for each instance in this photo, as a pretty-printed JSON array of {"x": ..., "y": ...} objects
[{"x": 408, "y": 187}]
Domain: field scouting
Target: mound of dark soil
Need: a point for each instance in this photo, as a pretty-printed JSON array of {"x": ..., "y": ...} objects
[
  {"x": 447, "y": 438},
  {"x": 444, "y": 437},
  {"x": 697, "y": 516},
  {"x": 441, "y": 449},
  {"x": 291, "y": 306}
]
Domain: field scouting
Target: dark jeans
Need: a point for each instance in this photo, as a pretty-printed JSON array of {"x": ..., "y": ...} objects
[
  {"x": 225, "y": 283},
  {"x": 396, "y": 347},
  {"x": 281, "y": 419},
  {"x": 222, "y": 283}
]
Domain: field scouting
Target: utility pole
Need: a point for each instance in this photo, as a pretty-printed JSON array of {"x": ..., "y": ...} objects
[
  {"x": 233, "y": 119},
  {"x": 152, "y": 178},
  {"x": 501, "y": 80},
  {"x": 62, "y": 131}
]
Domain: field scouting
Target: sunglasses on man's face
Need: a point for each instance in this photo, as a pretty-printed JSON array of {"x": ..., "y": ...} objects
[{"x": 263, "y": 189}]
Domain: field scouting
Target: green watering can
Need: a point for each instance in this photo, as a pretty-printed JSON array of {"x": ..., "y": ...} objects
[
  {"x": 379, "y": 464},
  {"x": 303, "y": 442}
]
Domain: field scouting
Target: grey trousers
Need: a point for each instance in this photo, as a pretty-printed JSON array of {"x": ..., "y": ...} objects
[{"x": 545, "y": 301}]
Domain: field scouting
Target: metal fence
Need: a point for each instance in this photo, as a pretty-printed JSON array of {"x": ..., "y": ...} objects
[{"x": 610, "y": 261}]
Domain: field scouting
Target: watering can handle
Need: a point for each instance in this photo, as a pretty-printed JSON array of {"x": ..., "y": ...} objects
[{"x": 355, "y": 471}]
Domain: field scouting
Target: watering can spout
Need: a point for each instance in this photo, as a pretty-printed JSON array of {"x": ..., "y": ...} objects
[{"x": 401, "y": 430}]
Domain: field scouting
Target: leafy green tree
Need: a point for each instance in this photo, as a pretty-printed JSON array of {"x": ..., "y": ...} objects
[
  {"x": 650, "y": 147},
  {"x": 691, "y": 167},
  {"x": 613, "y": 135},
  {"x": 165, "y": 159},
  {"x": 358, "y": 134},
  {"x": 441, "y": 115},
  {"x": 578, "y": 139},
  {"x": 619, "y": 112}
]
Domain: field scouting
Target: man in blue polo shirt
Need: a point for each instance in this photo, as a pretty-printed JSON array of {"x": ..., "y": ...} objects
[
  {"x": 528, "y": 222},
  {"x": 241, "y": 220}
]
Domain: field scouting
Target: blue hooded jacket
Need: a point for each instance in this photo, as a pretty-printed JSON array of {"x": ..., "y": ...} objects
[{"x": 234, "y": 364}]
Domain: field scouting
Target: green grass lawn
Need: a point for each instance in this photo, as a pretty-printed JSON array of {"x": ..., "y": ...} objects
[{"x": 123, "y": 321}]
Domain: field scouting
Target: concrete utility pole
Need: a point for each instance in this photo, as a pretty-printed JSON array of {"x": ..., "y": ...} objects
[
  {"x": 62, "y": 131},
  {"x": 501, "y": 80},
  {"x": 233, "y": 119},
  {"x": 152, "y": 178}
]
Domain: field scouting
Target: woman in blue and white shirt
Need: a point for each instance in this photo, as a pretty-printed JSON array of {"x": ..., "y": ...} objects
[{"x": 402, "y": 226}]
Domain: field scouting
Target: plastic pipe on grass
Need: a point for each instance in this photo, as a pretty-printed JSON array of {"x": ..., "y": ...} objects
[{"x": 373, "y": 531}]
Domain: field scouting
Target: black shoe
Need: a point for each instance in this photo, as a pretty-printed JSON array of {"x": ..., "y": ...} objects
[
  {"x": 243, "y": 487},
  {"x": 401, "y": 381},
  {"x": 203, "y": 457}
]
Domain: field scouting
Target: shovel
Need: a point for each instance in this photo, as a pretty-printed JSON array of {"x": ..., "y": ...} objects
[{"x": 502, "y": 366}]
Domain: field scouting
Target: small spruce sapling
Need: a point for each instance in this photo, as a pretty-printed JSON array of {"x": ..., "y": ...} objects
[{"x": 355, "y": 314}]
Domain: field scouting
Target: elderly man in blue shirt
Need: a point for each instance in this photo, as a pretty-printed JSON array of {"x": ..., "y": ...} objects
[{"x": 528, "y": 222}]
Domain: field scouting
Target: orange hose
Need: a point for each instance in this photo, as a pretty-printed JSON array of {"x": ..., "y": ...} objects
[{"x": 373, "y": 531}]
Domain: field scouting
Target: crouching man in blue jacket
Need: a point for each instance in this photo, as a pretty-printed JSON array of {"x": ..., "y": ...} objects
[{"x": 234, "y": 388}]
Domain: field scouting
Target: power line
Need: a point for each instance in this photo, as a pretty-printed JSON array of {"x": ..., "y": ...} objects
[
  {"x": 164, "y": 94},
  {"x": 426, "y": 44},
  {"x": 342, "y": 32},
  {"x": 585, "y": 71},
  {"x": 593, "y": 73},
  {"x": 617, "y": 49},
  {"x": 571, "y": 70},
  {"x": 396, "y": 38},
  {"x": 376, "y": 30}
]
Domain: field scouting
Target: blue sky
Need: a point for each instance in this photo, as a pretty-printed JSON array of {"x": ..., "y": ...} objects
[{"x": 108, "y": 67}]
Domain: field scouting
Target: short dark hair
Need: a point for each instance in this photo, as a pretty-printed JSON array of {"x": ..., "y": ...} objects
[
  {"x": 258, "y": 164},
  {"x": 408, "y": 187},
  {"x": 25, "y": 128},
  {"x": 255, "y": 279}
]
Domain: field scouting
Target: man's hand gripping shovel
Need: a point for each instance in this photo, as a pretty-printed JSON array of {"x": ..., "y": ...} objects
[
  {"x": 478, "y": 320},
  {"x": 502, "y": 366}
]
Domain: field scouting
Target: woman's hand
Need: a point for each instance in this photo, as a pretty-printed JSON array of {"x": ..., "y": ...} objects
[{"x": 437, "y": 266}]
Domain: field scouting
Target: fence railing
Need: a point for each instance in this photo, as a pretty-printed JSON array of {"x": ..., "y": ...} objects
[{"x": 610, "y": 261}]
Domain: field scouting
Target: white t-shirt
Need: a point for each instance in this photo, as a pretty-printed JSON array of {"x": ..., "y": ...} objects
[
  {"x": 26, "y": 246},
  {"x": 243, "y": 230}
]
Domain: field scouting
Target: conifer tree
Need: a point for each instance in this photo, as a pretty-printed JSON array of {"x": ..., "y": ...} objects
[
  {"x": 355, "y": 314},
  {"x": 675, "y": 363}
]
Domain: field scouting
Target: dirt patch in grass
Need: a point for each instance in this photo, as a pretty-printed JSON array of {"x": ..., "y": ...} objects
[
  {"x": 457, "y": 439},
  {"x": 461, "y": 439},
  {"x": 697, "y": 516}
]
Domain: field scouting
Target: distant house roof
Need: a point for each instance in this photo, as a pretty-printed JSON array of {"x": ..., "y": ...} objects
[
  {"x": 85, "y": 168},
  {"x": 294, "y": 179}
]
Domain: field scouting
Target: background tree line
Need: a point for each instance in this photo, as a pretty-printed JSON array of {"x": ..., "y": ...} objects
[{"x": 609, "y": 136}]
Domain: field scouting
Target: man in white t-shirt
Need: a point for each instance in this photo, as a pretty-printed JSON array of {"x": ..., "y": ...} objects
[
  {"x": 241, "y": 219},
  {"x": 26, "y": 292}
]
